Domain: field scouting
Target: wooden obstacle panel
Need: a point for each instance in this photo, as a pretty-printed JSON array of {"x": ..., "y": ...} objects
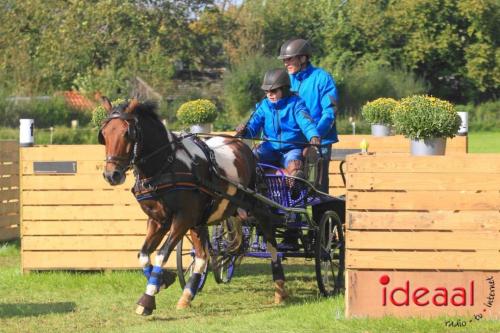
[
  {"x": 9, "y": 190},
  {"x": 71, "y": 217},
  {"x": 423, "y": 235}
]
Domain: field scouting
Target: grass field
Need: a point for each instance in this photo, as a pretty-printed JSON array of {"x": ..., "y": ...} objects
[
  {"x": 105, "y": 302},
  {"x": 484, "y": 142},
  {"x": 99, "y": 302}
]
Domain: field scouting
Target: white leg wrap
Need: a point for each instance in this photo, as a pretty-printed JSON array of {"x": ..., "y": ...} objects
[
  {"x": 151, "y": 289},
  {"x": 159, "y": 260},
  {"x": 144, "y": 260},
  {"x": 199, "y": 265}
]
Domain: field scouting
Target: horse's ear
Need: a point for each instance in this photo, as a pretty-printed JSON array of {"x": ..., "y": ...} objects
[
  {"x": 132, "y": 105},
  {"x": 104, "y": 101}
]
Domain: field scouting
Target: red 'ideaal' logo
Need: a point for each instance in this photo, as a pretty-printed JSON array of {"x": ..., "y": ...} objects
[{"x": 422, "y": 296}]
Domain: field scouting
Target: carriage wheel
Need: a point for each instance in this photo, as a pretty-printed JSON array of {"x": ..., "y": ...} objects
[
  {"x": 222, "y": 261},
  {"x": 185, "y": 263},
  {"x": 330, "y": 254}
]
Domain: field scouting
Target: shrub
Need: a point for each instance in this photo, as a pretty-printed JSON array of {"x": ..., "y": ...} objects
[
  {"x": 199, "y": 111},
  {"x": 379, "y": 111},
  {"x": 421, "y": 117},
  {"x": 99, "y": 113},
  {"x": 242, "y": 84}
]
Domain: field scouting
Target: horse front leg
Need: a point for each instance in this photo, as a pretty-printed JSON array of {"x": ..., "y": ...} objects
[
  {"x": 146, "y": 303},
  {"x": 199, "y": 236},
  {"x": 156, "y": 231}
]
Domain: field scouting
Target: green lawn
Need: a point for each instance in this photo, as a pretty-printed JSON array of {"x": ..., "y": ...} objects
[
  {"x": 99, "y": 302},
  {"x": 484, "y": 142}
]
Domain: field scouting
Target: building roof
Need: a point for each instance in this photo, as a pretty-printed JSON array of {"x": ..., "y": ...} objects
[{"x": 77, "y": 100}]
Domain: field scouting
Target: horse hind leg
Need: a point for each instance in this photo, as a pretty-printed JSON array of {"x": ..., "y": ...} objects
[
  {"x": 199, "y": 237},
  {"x": 280, "y": 293}
]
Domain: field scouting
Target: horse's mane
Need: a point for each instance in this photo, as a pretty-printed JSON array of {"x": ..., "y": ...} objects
[{"x": 147, "y": 109}]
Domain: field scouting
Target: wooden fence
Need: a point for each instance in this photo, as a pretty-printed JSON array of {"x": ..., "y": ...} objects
[
  {"x": 386, "y": 144},
  {"x": 71, "y": 217},
  {"x": 9, "y": 190},
  {"x": 423, "y": 235}
]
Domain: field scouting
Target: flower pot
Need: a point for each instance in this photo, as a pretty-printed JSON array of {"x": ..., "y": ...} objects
[
  {"x": 381, "y": 130},
  {"x": 201, "y": 128},
  {"x": 431, "y": 146}
]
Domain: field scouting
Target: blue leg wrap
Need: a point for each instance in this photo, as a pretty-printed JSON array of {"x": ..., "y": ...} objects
[
  {"x": 193, "y": 283},
  {"x": 155, "y": 277},
  {"x": 147, "y": 271}
]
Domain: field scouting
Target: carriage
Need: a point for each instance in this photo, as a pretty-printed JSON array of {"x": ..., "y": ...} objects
[{"x": 316, "y": 217}]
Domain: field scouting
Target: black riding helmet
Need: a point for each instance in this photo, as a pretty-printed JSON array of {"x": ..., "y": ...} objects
[
  {"x": 295, "y": 47},
  {"x": 274, "y": 79}
]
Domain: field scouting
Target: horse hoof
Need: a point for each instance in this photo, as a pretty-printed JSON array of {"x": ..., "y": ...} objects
[
  {"x": 141, "y": 310},
  {"x": 280, "y": 294},
  {"x": 145, "y": 305},
  {"x": 185, "y": 300}
]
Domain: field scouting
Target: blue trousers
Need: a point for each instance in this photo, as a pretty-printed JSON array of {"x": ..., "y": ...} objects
[{"x": 265, "y": 153}]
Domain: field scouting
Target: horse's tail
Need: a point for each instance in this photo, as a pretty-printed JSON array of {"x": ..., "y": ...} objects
[{"x": 234, "y": 227}]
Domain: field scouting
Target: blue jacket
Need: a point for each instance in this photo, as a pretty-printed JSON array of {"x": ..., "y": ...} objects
[
  {"x": 317, "y": 88},
  {"x": 287, "y": 121}
]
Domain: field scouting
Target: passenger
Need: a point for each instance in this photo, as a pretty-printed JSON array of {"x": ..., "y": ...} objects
[
  {"x": 317, "y": 88},
  {"x": 285, "y": 122}
]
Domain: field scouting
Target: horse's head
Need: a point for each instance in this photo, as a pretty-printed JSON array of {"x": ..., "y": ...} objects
[{"x": 119, "y": 135}]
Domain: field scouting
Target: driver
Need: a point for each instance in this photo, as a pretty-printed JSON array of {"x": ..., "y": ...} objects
[{"x": 286, "y": 124}]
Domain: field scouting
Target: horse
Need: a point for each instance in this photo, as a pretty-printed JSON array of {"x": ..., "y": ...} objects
[{"x": 183, "y": 184}]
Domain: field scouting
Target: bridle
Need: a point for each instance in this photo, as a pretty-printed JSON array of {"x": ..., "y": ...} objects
[{"x": 132, "y": 135}]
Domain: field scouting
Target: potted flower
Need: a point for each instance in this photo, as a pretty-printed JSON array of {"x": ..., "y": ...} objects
[
  {"x": 379, "y": 114},
  {"x": 427, "y": 121},
  {"x": 198, "y": 114}
]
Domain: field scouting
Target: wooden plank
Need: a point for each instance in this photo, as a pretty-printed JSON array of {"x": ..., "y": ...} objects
[
  {"x": 424, "y": 200},
  {"x": 8, "y": 145},
  {"x": 9, "y": 221},
  {"x": 63, "y": 153},
  {"x": 435, "y": 181},
  {"x": 9, "y": 169},
  {"x": 367, "y": 296},
  {"x": 6, "y": 182},
  {"x": 82, "y": 168},
  {"x": 71, "y": 182},
  {"x": 393, "y": 163},
  {"x": 445, "y": 260},
  {"x": 422, "y": 240},
  {"x": 10, "y": 156},
  {"x": 78, "y": 260},
  {"x": 76, "y": 227},
  {"x": 337, "y": 191},
  {"x": 437, "y": 220},
  {"x": 119, "y": 196},
  {"x": 9, "y": 208},
  {"x": 81, "y": 243},
  {"x": 9, "y": 233},
  {"x": 133, "y": 212},
  {"x": 9, "y": 195}
]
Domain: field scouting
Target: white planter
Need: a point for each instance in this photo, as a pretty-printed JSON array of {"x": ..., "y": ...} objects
[
  {"x": 381, "y": 130},
  {"x": 201, "y": 128},
  {"x": 432, "y": 146},
  {"x": 464, "y": 126},
  {"x": 26, "y": 132}
]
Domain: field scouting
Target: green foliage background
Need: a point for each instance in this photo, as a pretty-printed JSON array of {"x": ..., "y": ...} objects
[{"x": 219, "y": 50}]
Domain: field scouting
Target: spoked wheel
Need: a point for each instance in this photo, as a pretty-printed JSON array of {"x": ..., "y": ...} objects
[
  {"x": 226, "y": 240},
  {"x": 185, "y": 263},
  {"x": 330, "y": 254}
]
